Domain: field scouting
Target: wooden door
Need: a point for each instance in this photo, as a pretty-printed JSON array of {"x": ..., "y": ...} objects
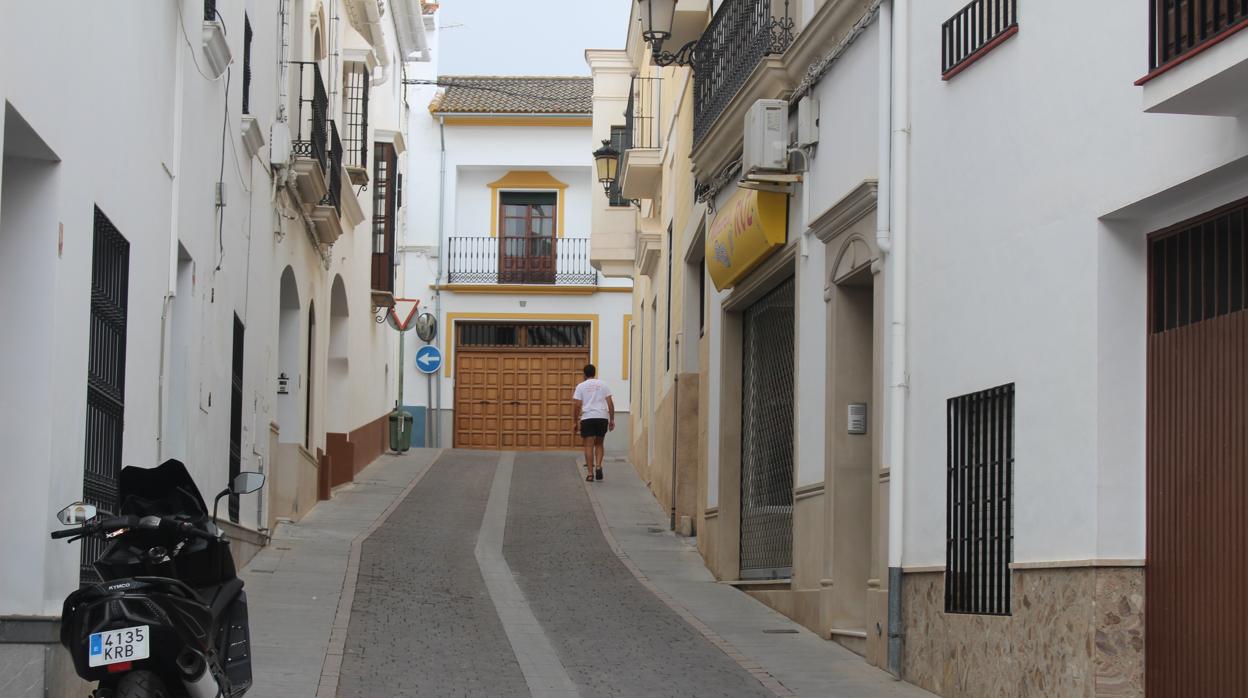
[
  {"x": 526, "y": 253},
  {"x": 1197, "y": 458},
  {"x": 477, "y": 379}
]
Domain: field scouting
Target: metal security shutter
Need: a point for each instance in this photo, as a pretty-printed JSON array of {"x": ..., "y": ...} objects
[
  {"x": 106, "y": 378},
  {"x": 767, "y": 437}
]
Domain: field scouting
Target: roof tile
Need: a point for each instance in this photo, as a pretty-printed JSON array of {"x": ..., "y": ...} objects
[{"x": 490, "y": 94}]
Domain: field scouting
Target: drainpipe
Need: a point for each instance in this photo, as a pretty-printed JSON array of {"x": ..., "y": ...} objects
[
  {"x": 174, "y": 213},
  {"x": 894, "y": 245},
  {"x": 437, "y": 286}
]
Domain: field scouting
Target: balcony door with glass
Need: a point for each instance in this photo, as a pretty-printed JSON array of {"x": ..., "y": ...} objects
[{"x": 527, "y": 237}]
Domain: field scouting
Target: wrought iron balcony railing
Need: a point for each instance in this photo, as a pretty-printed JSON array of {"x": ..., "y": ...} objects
[
  {"x": 641, "y": 115},
  {"x": 973, "y": 30},
  {"x": 1179, "y": 28},
  {"x": 740, "y": 35},
  {"x": 333, "y": 194},
  {"x": 311, "y": 122},
  {"x": 520, "y": 260}
]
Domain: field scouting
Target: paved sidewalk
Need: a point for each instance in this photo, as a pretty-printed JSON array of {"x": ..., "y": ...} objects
[
  {"x": 801, "y": 661},
  {"x": 294, "y": 585}
]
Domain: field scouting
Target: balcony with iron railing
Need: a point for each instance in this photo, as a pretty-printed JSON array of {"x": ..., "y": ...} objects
[
  {"x": 519, "y": 260},
  {"x": 641, "y": 168},
  {"x": 309, "y": 127},
  {"x": 741, "y": 34},
  {"x": 1197, "y": 57}
]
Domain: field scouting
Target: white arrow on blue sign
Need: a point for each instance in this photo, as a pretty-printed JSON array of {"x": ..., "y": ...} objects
[{"x": 428, "y": 359}]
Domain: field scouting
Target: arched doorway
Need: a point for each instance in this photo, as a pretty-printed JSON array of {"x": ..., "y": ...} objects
[
  {"x": 288, "y": 351},
  {"x": 308, "y": 380},
  {"x": 338, "y": 365}
]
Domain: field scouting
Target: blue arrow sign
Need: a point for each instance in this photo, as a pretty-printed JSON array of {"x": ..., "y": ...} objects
[{"x": 428, "y": 359}]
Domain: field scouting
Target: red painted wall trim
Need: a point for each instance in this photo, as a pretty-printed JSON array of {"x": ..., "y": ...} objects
[
  {"x": 969, "y": 60},
  {"x": 1210, "y": 43}
]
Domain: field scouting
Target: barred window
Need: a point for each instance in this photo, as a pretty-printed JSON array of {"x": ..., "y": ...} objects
[
  {"x": 246, "y": 64},
  {"x": 980, "y": 533},
  {"x": 1199, "y": 269}
]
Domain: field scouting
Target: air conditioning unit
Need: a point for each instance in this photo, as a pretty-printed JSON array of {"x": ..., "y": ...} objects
[
  {"x": 766, "y": 137},
  {"x": 807, "y": 121},
  {"x": 279, "y": 144}
]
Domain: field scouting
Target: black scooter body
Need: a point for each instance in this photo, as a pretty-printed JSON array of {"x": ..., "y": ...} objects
[{"x": 193, "y": 603}]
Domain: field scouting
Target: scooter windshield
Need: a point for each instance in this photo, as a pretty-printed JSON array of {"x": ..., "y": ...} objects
[{"x": 161, "y": 491}]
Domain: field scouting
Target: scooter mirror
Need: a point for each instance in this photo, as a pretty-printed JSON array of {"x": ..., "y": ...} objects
[
  {"x": 247, "y": 482},
  {"x": 77, "y": 514}
]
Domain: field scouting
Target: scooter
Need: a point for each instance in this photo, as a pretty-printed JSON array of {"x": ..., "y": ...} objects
[{"x": 169, "y": 618}]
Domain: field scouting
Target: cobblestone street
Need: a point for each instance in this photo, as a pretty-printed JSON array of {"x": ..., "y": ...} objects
[{"x": 503, "y": 574}]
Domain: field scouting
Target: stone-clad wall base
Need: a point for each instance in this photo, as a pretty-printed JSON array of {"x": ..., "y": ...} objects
[{"x": 1072, "y": 632}]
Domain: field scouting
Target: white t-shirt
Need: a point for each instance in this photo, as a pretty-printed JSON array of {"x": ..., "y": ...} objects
[{"x": 593, "y": 395}]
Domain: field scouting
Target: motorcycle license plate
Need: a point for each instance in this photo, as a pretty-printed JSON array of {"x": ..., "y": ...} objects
[{"x": 116, "y": 646}]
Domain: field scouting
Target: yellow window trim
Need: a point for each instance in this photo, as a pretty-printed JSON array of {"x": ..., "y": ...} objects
[
  {"x": 526, "y": 180},
  {"x": 451, "y": 318}
]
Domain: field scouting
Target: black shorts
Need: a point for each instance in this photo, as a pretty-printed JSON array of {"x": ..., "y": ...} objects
[{"x": 593, "y": 427}]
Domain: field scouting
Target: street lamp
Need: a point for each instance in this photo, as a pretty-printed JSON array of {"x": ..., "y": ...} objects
[
  {"x": 657, "y": 17},
  {"x": 607, "y": 160}
]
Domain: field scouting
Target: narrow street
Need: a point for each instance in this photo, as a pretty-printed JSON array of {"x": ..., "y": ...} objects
[{"x": 503, "y": 574}]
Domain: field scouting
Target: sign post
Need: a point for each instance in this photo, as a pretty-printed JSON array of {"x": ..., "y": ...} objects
[{"x": 428, "y": 361}]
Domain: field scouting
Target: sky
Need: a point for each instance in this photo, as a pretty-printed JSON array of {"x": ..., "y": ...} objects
[{"x": 527, "y": 37}]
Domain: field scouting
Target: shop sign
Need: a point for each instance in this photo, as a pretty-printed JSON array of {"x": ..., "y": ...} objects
[{"x": 745, "y": 231}]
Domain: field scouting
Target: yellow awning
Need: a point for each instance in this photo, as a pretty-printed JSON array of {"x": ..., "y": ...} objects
[{"x": 745, "y": 231}]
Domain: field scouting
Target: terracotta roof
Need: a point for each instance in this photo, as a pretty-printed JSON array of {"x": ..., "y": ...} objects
[{"x": 491, "y": 94}]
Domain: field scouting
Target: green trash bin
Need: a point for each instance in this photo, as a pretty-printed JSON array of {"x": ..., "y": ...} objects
[{"x": 400, "y": 430}]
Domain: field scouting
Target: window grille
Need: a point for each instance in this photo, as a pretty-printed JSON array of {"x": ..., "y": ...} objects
[
  {"x": 210, "y": 10},
  {"x": 980, "y": 533},
  {"x": 106, "y": 377},
  {"x": 385, "y": 162},
  {"x": 246, "y": 64},
  {"x": 535, "y": 336},
  {"x": 1198, "y": 269},
  {"x": 619, "y": 142},
  {"x": 355, "y": 113},
  {"x": 236, "y": 413},
  {"x": 973, "y": 29}
]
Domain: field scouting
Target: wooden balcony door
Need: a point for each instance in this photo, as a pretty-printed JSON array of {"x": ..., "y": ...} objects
[{"x": 527, "y": 237}]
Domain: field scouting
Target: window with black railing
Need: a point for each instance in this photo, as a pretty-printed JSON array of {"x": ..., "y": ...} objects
[
  {"x": 1179, "y": 28},
  {"x": 385, "y": 195},
  {"x": 975, "y": 29},
  {"x": 236, "y": 414},
  {"x": 740, "y": 35},
  {"x": 980, "y": 502},
  {"x": 641, "y": 114},
  {"x": 333, "y": 193},
  {"x": 614, "y": 196},
  {"x": 355, "y": 81},
  {"x": 246, "y": 64},
  {"x": 311, "y": 122},
  {"x": 210, "y": 10},
  {"x": 519, "y": 260}
]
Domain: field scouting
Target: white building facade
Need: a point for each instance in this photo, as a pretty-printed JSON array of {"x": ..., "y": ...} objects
[
  {"x": 497, "y": 249},
  {"x": 171, "y": 248}
]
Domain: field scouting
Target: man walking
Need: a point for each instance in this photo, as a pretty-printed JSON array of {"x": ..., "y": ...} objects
[{"x": 593, "y": 413}]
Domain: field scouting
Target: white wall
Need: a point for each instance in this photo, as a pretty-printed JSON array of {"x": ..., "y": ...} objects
[
  {"x": 145, "y": 145},
  {"x": 1014, "y": 277}
]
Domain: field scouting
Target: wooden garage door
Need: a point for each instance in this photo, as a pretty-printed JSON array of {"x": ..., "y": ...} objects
[
  {"x": 1197, "y": 487},
  {"x": 516, "y": 397}
]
